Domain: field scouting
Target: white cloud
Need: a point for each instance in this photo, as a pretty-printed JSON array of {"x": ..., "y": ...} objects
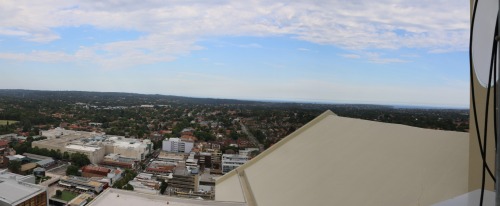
[
  {"x": 252, "y": 45},
  {"x": 39, "y": 56},
  {"x": 11, "y": 32},
  {"x": 172, "y": 28},
  {"x": 351, "y": 56},
  {"x": 377, "y": 58}
]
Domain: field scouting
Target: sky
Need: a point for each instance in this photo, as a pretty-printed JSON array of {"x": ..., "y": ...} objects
[{"x": 398, "y": 52}]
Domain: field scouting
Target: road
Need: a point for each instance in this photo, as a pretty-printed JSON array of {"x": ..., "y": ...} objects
[
  {"x": 147, "y": 161},
  {"x": 251, "y": 137}
]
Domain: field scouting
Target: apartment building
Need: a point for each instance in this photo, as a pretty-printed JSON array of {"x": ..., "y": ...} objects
[
  {"x": 232, "y": 161},
  {"x": 177, "y": 145}
]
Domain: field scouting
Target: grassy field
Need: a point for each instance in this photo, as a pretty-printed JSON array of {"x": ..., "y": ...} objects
[
  {"x": 66, "y": 195},
  {"x": 4, "y": 122}
]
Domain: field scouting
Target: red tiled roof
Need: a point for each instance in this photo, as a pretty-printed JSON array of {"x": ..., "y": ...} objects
[
  {"x": 3, "y": 143},
  {"x": 189, "y": 138},
  {"x": 95, "y": 170},
  {"x": 161, "y": 169}
]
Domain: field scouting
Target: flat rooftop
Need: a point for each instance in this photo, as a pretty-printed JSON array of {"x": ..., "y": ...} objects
[
  {"x": 170, "y": 155},
  {"x": 60, "y": 142},
  {"x": 82, "y": 148},
  {"x": 127, "y": 144},
  {"x": 111, "y": 197},
  {"x": 13, "y": 192},
  {"x": 207, "y": 177}
]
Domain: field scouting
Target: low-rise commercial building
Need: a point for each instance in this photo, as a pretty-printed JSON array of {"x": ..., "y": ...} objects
[
  {"x": 248, "y": 151},
  {"x": 93, "y": 152},
  {"x": 93, "y": 171},
  {"x": 145, "y": 183},
  {"x": 232, "y": 161},
  {"x": 94, "y": 145},
  {"x": 184, "y": 180},
  {"x": 204, "y": 159},
  {"x": 161, "y": 168},
  {"x": 81, "y": 183},
  {"x": 17, "y": 190},
  {"x": 128, "y": 148},
  {"x": 60, "y": 132},
  {"x": 114, "y": 160},
  {"x": 28, "y": 168},
  {"x": 40, "y": 160},
  {"x": 170, "y": 157},
  {"x": 80, "y": 200}
]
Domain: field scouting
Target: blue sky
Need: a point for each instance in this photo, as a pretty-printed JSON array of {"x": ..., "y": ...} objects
[{"x": 384, "y": 52}]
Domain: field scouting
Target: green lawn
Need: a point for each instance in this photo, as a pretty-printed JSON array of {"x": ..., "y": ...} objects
[
  {"x": 66, "y": 196},
  {"x": 4, "y": 122}
]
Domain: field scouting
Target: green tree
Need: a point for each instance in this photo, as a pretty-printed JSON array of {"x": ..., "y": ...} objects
[
  {"x": 259, "y": 135},
  {"x": 21, "y": 148},
  {"x": 65, "y": 156},
  {"x": 202, "y": 135},
  {"x": 128, "y": 187},
  {"x": 163, "y": 186},
  {"x": 72, "y": 170},
  {"x": 254, "y": 153},
  {"x": 26, "y": 125},
  {"x": 15, "y": 166},
  {"x": 56, "y": 154},
  {"x": 126, "y": 177},
  {"x": 79, "y": 159},
  {"x": 233, "y": 135},
  {"x": 58, "y": 193}
]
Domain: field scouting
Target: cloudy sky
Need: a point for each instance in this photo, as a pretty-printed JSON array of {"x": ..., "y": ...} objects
[{"x": 343, "y": 51}]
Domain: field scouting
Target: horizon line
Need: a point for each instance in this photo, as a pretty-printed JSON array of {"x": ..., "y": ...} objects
[{"x": 298, "y": 101}]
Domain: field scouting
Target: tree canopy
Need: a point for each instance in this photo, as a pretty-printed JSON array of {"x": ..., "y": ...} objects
[
  {"x": 15, "y": 166},
  {"x": 79, "y": 159},
  {"x": 72, "y": 170}
]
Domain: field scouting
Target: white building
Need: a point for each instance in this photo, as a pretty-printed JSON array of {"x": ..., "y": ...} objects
[
  {"x": 173, "y": 158},
  {"x": 177, "y": 145},
  {"x": 20, "y": 190},
  {"x": 95, "y": 145},
  {"x": 248, "y": 151},
  {"x": 145, "y": 183},
  {"x": 232, "y": 161},
  {"x": 93, "y": 152},
  {"x": 59, "y": 132},
  {"x": 128, "y": 148},
  {"x": 117, "y": 197}
]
